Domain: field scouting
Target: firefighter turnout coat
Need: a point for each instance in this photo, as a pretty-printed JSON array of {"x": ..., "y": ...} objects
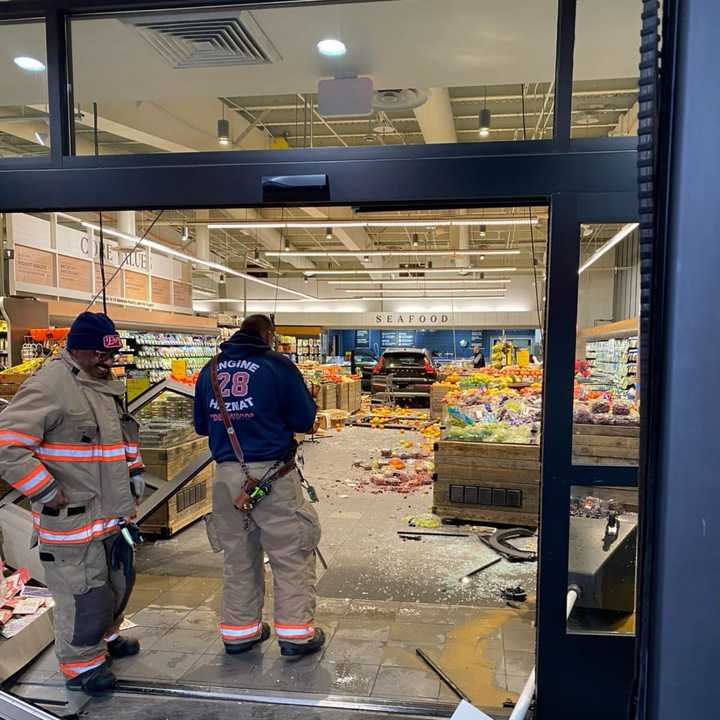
[{"x": 66, "y": 430}]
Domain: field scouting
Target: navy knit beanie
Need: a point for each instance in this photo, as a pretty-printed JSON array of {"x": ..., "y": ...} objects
[{"x": 93, "y": 331}]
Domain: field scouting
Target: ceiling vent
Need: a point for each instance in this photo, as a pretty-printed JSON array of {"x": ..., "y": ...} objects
[
  {"x": 407, "y": 99},
  {"x": 202, "y": 40}
]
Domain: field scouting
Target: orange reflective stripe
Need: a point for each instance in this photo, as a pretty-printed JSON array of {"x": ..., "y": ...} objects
[
  {"x": 34, "y": 481},
  {"x": 77, "y": 668},
  {"x": 17, "y": 433},
  {"x": 81, "y": 452},
  {"x": 295, "y": 632},
  {"x": 77, "y": 536}
]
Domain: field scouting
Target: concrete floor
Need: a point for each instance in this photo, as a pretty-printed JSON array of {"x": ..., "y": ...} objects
[{"x": 368, "y": 604}]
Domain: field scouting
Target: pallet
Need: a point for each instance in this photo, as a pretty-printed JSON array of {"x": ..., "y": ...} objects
[
  {"x": 605, "y": 445},
  {"x": 487, "y": 482},
  {"x": 189, "y": 504}
]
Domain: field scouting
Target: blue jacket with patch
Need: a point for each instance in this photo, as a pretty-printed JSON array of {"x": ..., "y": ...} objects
[{"x": 265, "y": 396}]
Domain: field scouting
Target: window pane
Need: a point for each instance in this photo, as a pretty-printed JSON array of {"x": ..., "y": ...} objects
[
  {"x": 24, "y": 129},
  {"x": 602, "y": 559},
  {"x": 607, "y": 55},
  {"x": 606, "y": 427},
  {"x": 411, "y": 74}
]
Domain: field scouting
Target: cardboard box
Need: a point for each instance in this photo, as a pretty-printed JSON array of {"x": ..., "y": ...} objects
[{"x": 19, "y": 651}]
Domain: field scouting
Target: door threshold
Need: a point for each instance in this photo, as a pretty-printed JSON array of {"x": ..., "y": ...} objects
[{"x": 389, "y": 706}]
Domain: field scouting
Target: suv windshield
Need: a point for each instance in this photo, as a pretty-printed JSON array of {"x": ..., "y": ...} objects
[{"x": 398, "y": 359}]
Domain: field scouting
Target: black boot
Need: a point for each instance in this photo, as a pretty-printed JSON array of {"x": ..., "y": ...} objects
[
  {"x": 94, "y": 682},
  {"x": 122, "y": 647},
  {"x": 290, "y": 649},
  {"x": 243, "y": 647}
]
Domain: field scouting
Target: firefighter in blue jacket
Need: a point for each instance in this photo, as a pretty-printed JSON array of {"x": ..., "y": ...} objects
[{"x": 266, "y": 402}]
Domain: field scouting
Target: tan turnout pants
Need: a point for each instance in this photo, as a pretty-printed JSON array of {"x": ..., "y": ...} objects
[
  {"x": 286, "y": 527},
  {"x": 90, "y": 599}
]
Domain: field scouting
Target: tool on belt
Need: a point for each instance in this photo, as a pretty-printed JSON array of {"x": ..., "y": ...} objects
[
  {"x": 254, "y": 489},
  {"x": 122, "y": 551}
]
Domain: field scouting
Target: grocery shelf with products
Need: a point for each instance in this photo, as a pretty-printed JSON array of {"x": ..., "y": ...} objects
[{"x": 152, "y": 354}]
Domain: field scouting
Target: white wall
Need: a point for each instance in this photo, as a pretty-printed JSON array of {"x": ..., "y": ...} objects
[{"x": 341, "y": 309}]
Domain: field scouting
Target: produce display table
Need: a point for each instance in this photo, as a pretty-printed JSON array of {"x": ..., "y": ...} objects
[
  {"x": 605, "y": 445},
  {"x": 500, "y": 483},
  {"x": 487, "y": 482},
  {"x": 189, "y": 504}
]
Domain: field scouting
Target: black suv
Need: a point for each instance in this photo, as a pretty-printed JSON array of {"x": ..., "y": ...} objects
[{"x": 404, "y": 373}]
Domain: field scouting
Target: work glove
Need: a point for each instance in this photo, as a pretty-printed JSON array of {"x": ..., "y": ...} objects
[{"x": 137, "y": 487}]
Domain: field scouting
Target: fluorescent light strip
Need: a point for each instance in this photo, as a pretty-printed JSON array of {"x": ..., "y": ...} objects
[
  {"x": 609, "y": 245},
  {"x": 352, "y": 299},
  {"x": 324, "y": 224},
  {"x": 386, "y": 271},
  {"x": 419, "y": 281},
  {"x": 165, "y": 250},
  {"x": 446, "y": 291},
  {"x": 389, "y": 253}
]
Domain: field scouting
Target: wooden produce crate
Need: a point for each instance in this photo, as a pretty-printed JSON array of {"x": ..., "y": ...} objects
[
  {"x": 492, "y": 483},
  {"x": 343, "y": 396},
  {"x": 437, "y": 395},
  {"x": 355, "y": 395},
  {"x": 332, "y": 418},
  {"x": 327, "y": 397},
  {"x": 10, "y": 383},
  {"x": 189, "y": 504},
  {"x": 605, "y": 445}
]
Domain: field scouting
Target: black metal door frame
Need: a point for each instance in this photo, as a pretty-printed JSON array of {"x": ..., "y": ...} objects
[{"x": 581, "y": 181}]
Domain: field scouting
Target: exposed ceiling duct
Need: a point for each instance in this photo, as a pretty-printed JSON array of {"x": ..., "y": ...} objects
[{"x": 201, "y": 40}]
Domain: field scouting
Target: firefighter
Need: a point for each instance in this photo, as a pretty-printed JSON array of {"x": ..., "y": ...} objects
[
  {"x": 67, "y": 444},
  {"x": 265, "y": 402}
]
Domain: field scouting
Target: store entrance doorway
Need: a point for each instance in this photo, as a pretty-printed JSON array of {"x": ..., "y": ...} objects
[{"x": 421, "y": 601}]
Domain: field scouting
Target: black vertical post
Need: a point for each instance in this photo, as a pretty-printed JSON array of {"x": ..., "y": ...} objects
[
  {"x": 564, "y": 55},
  {"x": 59, "y": 86},
  {"x": 560, "y": 339},
  {"x": 680, "y": 636}
]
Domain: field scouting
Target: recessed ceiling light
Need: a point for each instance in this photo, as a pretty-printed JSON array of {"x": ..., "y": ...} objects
[
  {"x": 29, "y": 64},
  {"x": 329, "y": 47}
]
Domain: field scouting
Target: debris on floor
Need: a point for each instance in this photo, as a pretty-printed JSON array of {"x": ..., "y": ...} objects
[
  {"x": 401, "y": 469},
  {"x": 424, "y": 521}
]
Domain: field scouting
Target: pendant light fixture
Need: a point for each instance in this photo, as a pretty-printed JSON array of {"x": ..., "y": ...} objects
[
  {"x": 223, "y": 128},
  {"x": 415, "y": 240},
  {"x": 328, "y": 234},
  {"x": 485, "y": 119}
]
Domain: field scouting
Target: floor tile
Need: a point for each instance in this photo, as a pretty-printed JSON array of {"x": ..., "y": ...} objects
[
  {"x": 404, "y": 655},
  {"x": 350, "y": 629},
  {"x": 362, "y": 652},
  {"x": 332, "y": 606},
  {"x": 183, "y": 598},
  {"x": 148, "y": 636},
  {"x": 406, "y": 682},
  {"x": 223, "y": 669},
  {"x": 518, "y": 635},
  {"x": 428, "y": 633},
  {"x": 140, "y": 598},
  {"x": 515, "y": 683},
  {"x": 157, "y": 582},
  {"x": 327, "y": 677},
  {"x": 370, "y": 610},
  {"x": 200, "y": 620},
  {"x": 424, "y": 613},
  {"x": 185, "y": 641},
  {"x": 518, "y": 662},
  {"x": 155, "y": 666},
  {"x": 153, "y": 616}
]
